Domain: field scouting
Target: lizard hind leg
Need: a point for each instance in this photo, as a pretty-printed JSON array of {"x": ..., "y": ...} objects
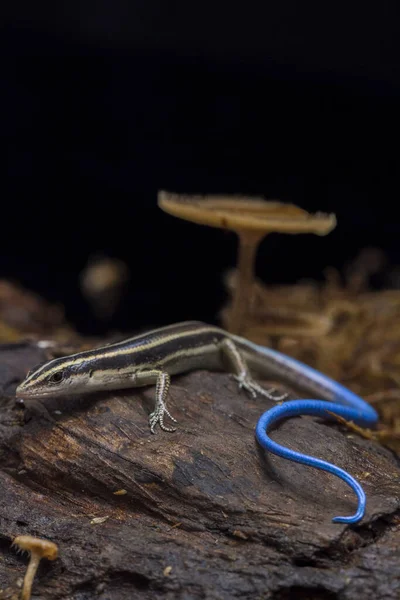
[{"x": 242, "y": 374}]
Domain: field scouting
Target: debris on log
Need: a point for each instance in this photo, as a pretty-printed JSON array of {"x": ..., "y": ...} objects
[{"x": 24, "y": 314}]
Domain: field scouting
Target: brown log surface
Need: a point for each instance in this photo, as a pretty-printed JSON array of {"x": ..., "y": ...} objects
[{"x": 206, "y": 513}]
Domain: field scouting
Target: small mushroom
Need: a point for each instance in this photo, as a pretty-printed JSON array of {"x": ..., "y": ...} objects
[
  {"x": 37, "y": 549},
  {"x": 251, "y": 219}
]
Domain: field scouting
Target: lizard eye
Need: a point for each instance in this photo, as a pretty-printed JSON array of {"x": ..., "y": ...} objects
[{"x": 56, "y": 377}]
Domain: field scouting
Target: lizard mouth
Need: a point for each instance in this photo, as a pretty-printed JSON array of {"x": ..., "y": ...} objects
[{"x": 22, "y": 394}]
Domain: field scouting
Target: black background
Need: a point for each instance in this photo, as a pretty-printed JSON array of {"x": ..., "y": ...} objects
[{"x": 102, "y": 104}]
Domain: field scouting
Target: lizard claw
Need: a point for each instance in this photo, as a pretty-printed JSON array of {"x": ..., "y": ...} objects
[
  {"x": 253, "y": 388},
  {"x": 157, "y": 416}
]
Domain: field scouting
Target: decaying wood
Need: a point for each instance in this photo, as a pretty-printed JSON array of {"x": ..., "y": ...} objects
[{"x": 201, "y": 513}]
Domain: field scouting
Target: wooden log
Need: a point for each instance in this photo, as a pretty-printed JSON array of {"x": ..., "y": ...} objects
[{"x": 199, "y": 513}]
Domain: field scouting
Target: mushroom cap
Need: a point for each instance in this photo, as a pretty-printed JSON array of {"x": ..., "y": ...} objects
[
  {"x": 33, "y": 545},
  {"x": 240, "y": 213}
]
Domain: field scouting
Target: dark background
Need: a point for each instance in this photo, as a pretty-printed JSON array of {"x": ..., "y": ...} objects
[{"x": 102, "y": 104}]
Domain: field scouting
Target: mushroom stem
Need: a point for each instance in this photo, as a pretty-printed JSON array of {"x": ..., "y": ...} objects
[
  {"x": 38, "y": 548},
  {"x": 247, "y": 250},
  {"x": 30, "y": 576}
]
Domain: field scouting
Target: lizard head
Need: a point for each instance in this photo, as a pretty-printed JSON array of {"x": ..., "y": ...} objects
[{"x": 58, "y": 377}]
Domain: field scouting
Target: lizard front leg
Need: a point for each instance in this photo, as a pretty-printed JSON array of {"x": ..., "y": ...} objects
[{"x": 162, "y": 381}]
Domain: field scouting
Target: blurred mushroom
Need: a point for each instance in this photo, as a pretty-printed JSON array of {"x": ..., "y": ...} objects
[
  {"x": 251, "y": 219},
  {"x": 37, "y": 549},
  {"x": 102, "y": 282}
]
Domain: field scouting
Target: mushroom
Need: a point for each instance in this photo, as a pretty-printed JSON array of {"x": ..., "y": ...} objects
[
  {"x": 37, "y": 549},
  {"x": 251, "y": 219}
]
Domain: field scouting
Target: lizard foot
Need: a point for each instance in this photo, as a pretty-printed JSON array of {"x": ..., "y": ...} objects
[
  {"x": 157, "y": 416},
  {"x": 253, "y": 388}
]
